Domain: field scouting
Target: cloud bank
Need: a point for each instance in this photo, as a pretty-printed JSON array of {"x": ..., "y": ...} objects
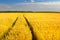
[
  {"x": 4, "y": 7},
  {"x": 41, "y": 6}
]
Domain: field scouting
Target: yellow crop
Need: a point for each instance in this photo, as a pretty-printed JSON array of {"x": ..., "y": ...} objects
[
  {"x": 40, "y": 26},
  {"x": 46, "y": 26},
  {"x": 20, "y": 31}
]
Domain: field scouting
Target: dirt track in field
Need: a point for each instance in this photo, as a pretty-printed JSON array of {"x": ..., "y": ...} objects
[{"x": 40, "y": 26}]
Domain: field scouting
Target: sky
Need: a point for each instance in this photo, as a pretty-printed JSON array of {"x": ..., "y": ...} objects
[
  {"x": 13, "y": 1},
  {"x": 8, "y": 5},
  {"x": 20, "y": 1}
]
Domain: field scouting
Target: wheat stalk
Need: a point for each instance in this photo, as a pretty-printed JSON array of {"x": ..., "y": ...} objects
[
  {"x": 31, "y": 28},
  {"x": 7, "y": 32}
]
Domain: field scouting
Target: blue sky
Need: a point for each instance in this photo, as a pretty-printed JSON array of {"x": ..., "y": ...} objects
[
  {"x": 19, "y": 1},
  {"x": 13, "y": 1},
  {"x": 10, "y": 5}
]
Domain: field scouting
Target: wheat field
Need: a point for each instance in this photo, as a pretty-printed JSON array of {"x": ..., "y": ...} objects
[{"x": 29, "y": 26}]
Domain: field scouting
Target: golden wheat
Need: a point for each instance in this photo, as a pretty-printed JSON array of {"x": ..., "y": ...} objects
[
  {"x": 20, "y": 31},
  {"x": 45, "y": 26}
]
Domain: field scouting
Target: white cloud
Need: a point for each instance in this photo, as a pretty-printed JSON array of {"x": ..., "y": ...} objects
[
  {"x": 4, "y": 7},
  {"x": 42, "y": 6},
  {"x": 32, "y": 0}
]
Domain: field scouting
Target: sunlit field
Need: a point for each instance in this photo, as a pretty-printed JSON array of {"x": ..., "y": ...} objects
[{"x": 29, "y": 26}]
